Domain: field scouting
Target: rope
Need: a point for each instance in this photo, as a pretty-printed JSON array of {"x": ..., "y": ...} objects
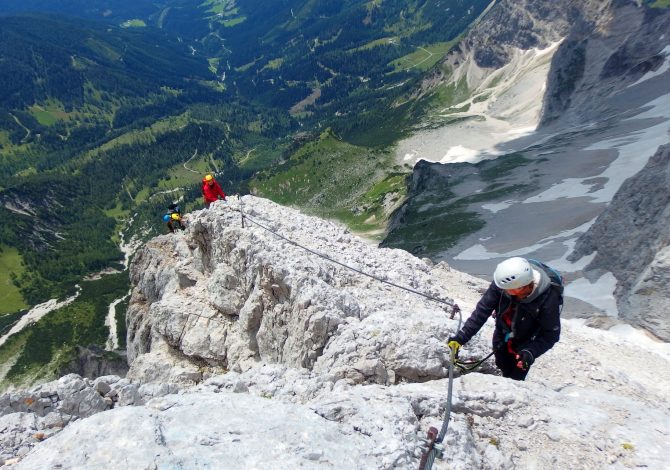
[
  {"x": 351, "y": 268},
  {"x": 241, "y": 209},
  {"x": 471, "y": 365},
  {"x": 434, "y": 446}
]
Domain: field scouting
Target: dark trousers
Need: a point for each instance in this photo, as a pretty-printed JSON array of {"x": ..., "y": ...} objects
[
  {"x": 174, "y": 225},
  {"x": 506, "y": 362}
]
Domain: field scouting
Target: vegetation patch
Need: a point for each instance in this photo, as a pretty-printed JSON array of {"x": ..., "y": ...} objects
[
  {"x": 334, "y": 179},
  {"x": 274, "y": 64},
  {"x": 451, "y": 94},
  {"x": 8, "y": 320},
  {"x": 49, "y": 114},
  {"x": 103, "y": 49},
  {"x": 11, "y": 267},
  {"x": 391, "y": 40},
  {"x": 233, "y": 22},
  {"x": 135, "y": 23},
  {"x": 481, "y": 97},
  {"x": 49, "y": 344},
  {"x": 432, "y": 224},
  {"x": 221, "y": 7},
  {"x": 213, "y": 64},
  {"x": 9, "y": 353},
  {"x": 5, "y": 141},
  {"x": 490, "y": 170},
  {"x": 371, "y": 210},
  {"x": 121, "y": 329},
  {"x": 424, "y": 57}
]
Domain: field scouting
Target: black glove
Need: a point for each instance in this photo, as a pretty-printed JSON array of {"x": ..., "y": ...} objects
[{"x": 524, "y": 359}]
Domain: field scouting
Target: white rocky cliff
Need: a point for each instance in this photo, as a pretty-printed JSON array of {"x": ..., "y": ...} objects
[{"x": 247, "y": 351}]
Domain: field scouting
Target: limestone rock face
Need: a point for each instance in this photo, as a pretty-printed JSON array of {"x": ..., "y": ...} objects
[
  {"x": 250, "y": 351},
  {"x": 179, "y": 431},
  {"x": 524, "y": 24},
  {"x": 30, "y": 416},
  {"x": 220, "y": 296},
  {"x": 636, "y": 224},
  {"x": 510, "y": 26}
]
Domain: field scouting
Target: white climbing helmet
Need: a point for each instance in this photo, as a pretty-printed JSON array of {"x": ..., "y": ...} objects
[{"x": 513, "y": 273}]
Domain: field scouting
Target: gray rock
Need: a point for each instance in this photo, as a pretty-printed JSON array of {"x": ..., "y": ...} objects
[
  {"x": 83, "y": 403},
  {"x": 92, "y": 362},
  {"x": 263, "y": 300},
  {"x": 636, "y": 222},
  {"x": 102, "y": 388}
]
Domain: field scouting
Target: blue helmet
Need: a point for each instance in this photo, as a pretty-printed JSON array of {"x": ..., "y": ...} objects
[{"x": 166, "y": 218}]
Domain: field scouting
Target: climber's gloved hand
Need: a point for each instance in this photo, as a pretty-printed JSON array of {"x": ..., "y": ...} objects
[
  {"x": 453, "y": 345},
  {"x": 524, "y": 359}
]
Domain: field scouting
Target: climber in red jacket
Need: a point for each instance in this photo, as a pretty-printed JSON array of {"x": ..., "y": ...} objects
[{"x": 211, "y": 190}]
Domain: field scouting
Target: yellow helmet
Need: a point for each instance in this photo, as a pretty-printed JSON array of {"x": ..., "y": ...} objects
[
  {"x": 209, "y": 178},
  {"x": 175, "y": 216}
]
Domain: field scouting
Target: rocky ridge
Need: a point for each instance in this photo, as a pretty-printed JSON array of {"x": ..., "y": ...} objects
[
  {"x": 208, "y": 385},
  {"x": 251, "y": 297}
]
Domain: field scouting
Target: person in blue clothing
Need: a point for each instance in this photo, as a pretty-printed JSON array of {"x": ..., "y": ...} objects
[{"x": 526, "y": 305}]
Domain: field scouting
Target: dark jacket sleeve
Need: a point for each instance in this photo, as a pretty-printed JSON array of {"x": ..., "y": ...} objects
[
  {"x": 485, "y": 307},
  {"x": 550, "y": 326}
]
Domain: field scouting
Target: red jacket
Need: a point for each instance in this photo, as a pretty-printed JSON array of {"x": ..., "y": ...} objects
[{"x": 212, "y": 192}]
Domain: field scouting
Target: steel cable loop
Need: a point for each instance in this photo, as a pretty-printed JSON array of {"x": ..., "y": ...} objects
[
  {"x": 447, "y": 413},
  {"x": 351, "y": 268}
]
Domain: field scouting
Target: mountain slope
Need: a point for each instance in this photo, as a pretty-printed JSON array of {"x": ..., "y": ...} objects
[
  {"x": 512, "y": 190},
  {"x": 114, "y": 121}
]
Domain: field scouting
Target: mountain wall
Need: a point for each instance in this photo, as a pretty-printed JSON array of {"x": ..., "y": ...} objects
[
  {"x": 631, "y": 240},
  {"x": 247, "y": 350},
  {"x": 600, "y": 56},
  {"x": 511, "y": 26}
]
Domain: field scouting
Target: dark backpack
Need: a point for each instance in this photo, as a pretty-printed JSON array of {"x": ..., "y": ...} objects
[
  {"x": 554, "y": 276},
  {"x": 174, "y": 208}
]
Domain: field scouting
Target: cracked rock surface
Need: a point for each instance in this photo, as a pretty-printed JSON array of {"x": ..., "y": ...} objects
[{"x": 248, "y": 350}]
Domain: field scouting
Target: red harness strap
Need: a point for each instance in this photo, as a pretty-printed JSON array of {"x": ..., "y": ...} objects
[{"x": 507, "y": 318}]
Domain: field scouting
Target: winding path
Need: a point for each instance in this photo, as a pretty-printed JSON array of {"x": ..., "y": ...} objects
[
  {"x": 192, "y": 157},
  {"x": 25, "y": 138}
]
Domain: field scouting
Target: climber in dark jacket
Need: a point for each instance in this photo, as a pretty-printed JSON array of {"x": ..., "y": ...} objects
[{"x": 526, "y": 307}]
